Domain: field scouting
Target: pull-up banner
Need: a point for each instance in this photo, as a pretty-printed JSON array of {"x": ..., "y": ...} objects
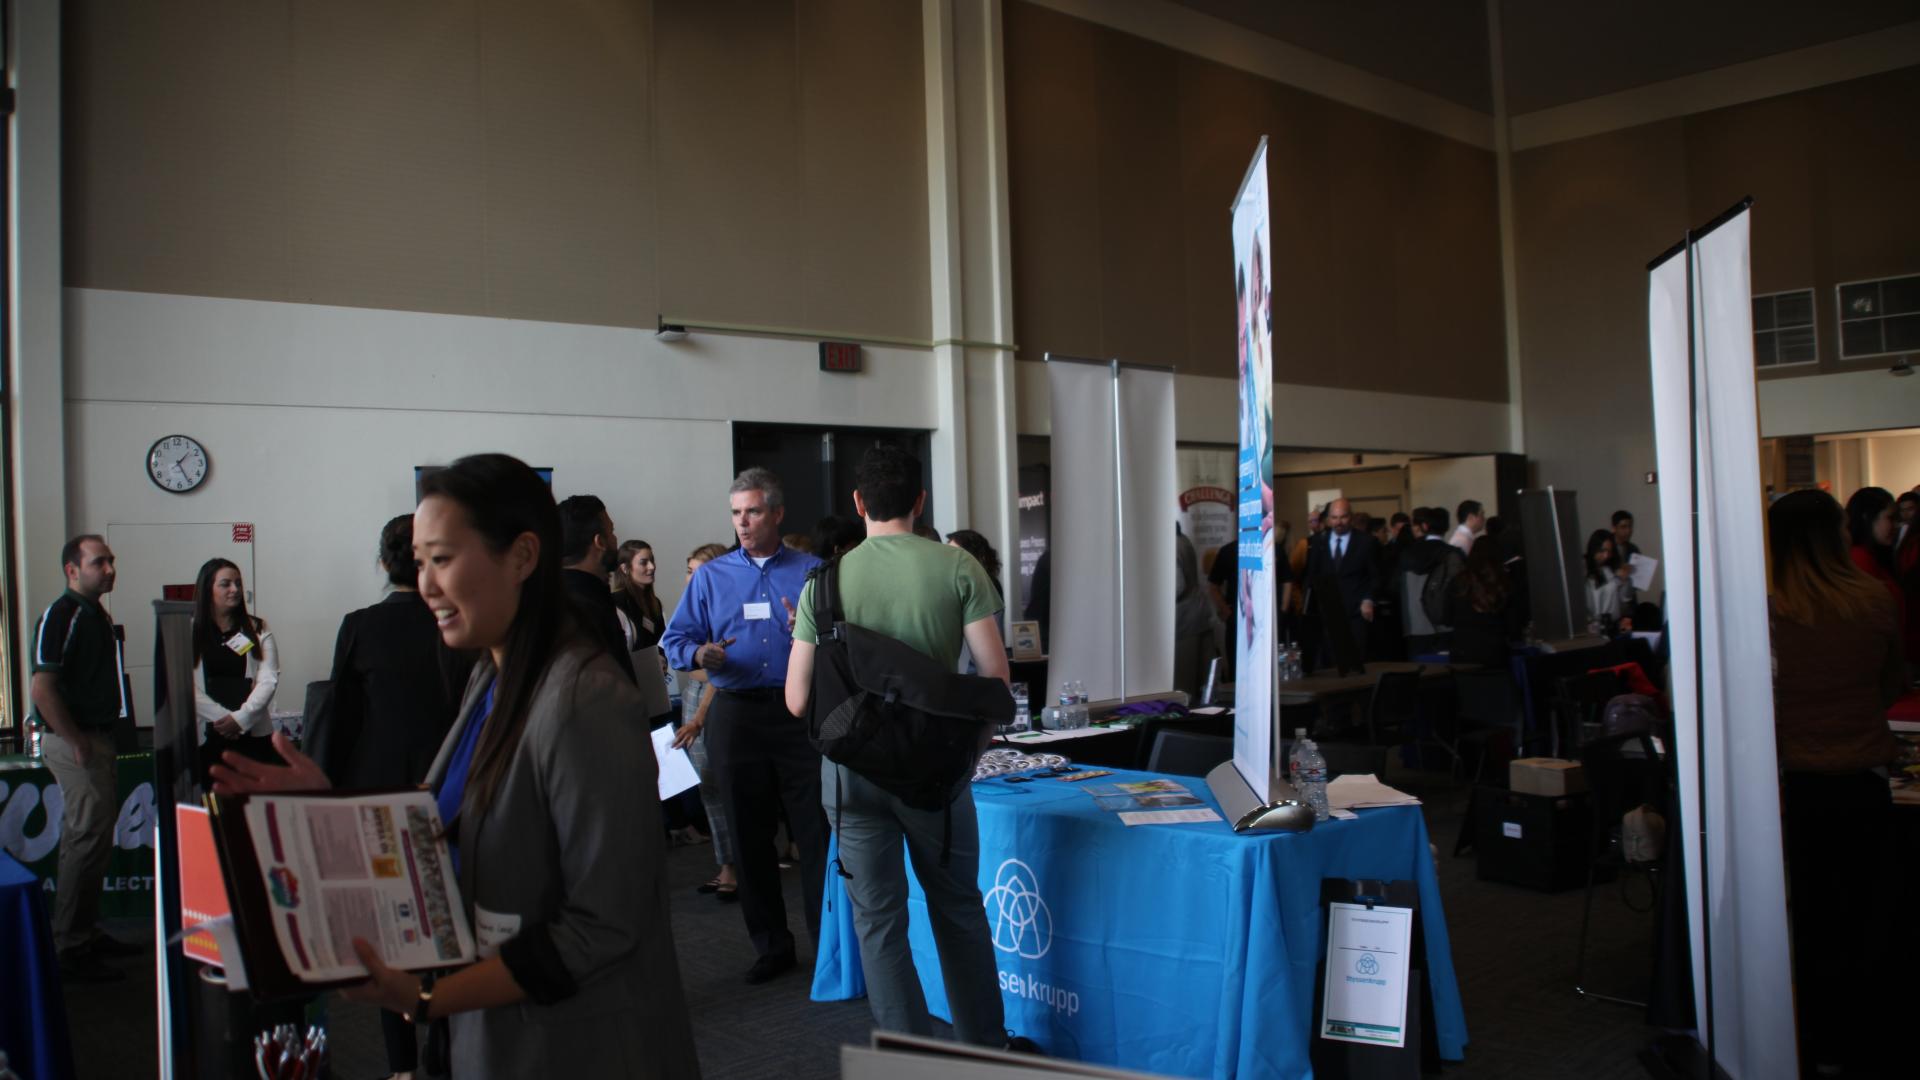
[
  {"x": 1255, "y": 705},
  {"x": 1706, "y": 431}
]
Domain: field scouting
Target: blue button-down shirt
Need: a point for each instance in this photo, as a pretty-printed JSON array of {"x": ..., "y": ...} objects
[{"x": 714, "y": 608}]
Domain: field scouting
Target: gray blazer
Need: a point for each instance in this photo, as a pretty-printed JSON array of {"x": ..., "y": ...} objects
[{"x": 573, "y": 843}]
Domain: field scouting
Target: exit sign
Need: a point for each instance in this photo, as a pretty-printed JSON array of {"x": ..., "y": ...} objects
[{"x": 839, "y": 356}]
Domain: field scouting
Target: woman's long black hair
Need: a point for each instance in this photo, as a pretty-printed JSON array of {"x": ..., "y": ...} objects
[
  {"x": 504, "y": 500},
  {"x": 206, "y": 630},
  {"x": 1601, "y": 538},
  {"x": 1866, "y": 505}
]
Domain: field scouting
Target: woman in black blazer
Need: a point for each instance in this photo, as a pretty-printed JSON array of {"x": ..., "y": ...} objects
[{"x": 396, "y": 688}]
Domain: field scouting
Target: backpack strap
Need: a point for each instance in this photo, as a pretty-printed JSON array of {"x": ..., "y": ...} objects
[{"x": 827, "y": 611}]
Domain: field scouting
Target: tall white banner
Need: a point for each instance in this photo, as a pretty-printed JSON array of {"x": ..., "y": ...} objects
[
  {"x": 1113, "y": 569},
  {"x": 1085, "y": 559},
  {"x": 1707, "y": 434},
  {"x": 1256, "y": 673},
  {"x": 1149, "y": 573}
]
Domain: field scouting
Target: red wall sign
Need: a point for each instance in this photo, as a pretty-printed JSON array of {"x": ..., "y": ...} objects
[{"x": 243, "y": 532}]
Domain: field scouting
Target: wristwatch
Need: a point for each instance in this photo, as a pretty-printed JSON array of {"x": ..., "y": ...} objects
[{"x": 421, "y": 1004}]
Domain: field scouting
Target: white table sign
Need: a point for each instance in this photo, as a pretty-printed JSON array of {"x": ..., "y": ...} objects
[{"x": 1366, "y": 992}]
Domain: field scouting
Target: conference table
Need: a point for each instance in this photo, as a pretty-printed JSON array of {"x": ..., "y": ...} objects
[
  {"x": 33, "y": 1023},
  {"x": 1183, "y": 949}
]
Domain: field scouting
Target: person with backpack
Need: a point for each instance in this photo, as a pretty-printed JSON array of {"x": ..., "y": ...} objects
[
  {"x": 932, "y": 598},
  {"x": 1423, "y": 582}
]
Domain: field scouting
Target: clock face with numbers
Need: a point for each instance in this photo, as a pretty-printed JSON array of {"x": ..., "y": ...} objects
[{"x": 177, "y": 463}]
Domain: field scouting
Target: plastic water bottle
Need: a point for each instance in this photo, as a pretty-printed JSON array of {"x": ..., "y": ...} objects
[
  {"x": 1313, "y": 779},
  {"x": 1293, "y": 757},
  {"x": 33, "y": 744}
]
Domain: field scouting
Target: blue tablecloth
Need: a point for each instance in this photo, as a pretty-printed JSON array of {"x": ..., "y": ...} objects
[
  {"x": 1179, "y": 949},
  {"x": 33, "y": 1015}
]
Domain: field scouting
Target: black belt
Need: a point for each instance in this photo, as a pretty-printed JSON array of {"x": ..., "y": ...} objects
[{"x": 755, "y": 693}]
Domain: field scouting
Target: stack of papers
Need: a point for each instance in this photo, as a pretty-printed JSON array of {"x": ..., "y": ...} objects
[{"x": 1358, "y": 791}]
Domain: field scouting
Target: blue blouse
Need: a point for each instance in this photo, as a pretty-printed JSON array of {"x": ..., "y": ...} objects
[{"x": 453, "y": 785}]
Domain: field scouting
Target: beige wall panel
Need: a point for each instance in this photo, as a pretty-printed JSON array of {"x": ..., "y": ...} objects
[
  {"x": 1305, "y": 235},
  {"x": 384, "y": 156},
  {"x": 1589, "y": 214},
  {"x": 1222, "y": 114},
  {"x": 1386, "y": 264},
  {"x": 726, "y": 153},
  {"x": 175, "y": 170},
  {"x": 863, "y": 168},
  {"x": 1054, "y": 182},
  {"x": 1865, "y": 148},
  {"x": 568, "y": 185},
  {"x": 1449, "y": 303},
  {"x": 1143, "y": 292}
]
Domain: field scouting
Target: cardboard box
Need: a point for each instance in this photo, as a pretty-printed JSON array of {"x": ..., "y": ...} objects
[{"x": 1546, "y": 776}]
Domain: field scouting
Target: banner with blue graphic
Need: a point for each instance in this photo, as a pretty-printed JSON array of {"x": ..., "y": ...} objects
[{"x": 1255, "y": 659}]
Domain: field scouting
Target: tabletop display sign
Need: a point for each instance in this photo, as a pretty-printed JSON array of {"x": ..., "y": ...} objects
[
  {"x": 1026, "y": 641},
  {"x": 1255, "y": 665},
  {"x": 1366, "y": 988},
  {"x": 203, "y": 894}
]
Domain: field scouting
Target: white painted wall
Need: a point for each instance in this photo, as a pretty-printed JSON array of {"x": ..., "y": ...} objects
[
  {"x": 1309, "y": 415},
  {"x": 1852, "y": 401},
  {"x": 314, "y": 418},
  {"x": 1894, "y": 462}
]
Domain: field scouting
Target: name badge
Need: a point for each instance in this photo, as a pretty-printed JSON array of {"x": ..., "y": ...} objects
[
  {"x": 241, "y": 644},
  {"x": 492, "y": 929},
  {"x": 647, "y": 622},
  {"x": 761, "y": 610}
]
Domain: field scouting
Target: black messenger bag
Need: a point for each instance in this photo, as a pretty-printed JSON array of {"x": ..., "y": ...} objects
[{"x": 892, "y": 713}]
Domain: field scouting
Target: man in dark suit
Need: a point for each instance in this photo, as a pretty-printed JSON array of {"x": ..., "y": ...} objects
[
  {"x": 1351, "y": 560},
  {"x": 587, "y": 546}
]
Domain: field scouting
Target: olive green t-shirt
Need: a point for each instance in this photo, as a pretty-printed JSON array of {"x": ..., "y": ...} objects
[{"x": 919, "y": 591}]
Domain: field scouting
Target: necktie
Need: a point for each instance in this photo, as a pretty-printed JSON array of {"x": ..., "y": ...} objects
[{"x": 1339, "y": 548}]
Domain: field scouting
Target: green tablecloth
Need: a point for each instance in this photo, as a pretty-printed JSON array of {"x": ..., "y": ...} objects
[{"x": 31, "y": 834}]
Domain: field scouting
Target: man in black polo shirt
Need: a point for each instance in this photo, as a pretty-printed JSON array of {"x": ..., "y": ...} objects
[{"x": 77, "y": 696}]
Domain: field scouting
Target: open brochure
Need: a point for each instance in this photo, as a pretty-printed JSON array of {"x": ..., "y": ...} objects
[{"x": 336, "y": 868}]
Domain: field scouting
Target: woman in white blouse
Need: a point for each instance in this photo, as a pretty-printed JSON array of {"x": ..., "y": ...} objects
[{"x": 236, "y": 667}]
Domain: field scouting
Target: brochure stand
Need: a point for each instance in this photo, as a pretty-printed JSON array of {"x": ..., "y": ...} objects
[{"x": 1420, "y": 1054}]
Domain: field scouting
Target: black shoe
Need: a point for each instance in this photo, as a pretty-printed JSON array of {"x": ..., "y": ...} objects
[
  {"x": 81, "y": 966},
  {"x": 1020, "y": 1044},
  {"x": 771, "y": 966},
  {"x": 104, "y": 945}
]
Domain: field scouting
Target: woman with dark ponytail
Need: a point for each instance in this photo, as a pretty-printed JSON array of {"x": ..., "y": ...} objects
[{"x": 544, "y": 770}]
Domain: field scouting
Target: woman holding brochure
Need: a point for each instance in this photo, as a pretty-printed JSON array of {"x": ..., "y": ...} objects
[{"x": 543, "y": 771}]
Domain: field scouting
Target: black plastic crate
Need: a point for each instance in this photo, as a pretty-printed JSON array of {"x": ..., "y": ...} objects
[{"x": 1536, "y": 841}]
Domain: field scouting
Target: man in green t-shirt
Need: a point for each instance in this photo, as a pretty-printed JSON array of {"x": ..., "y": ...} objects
[{"x": 933, "y": 597}]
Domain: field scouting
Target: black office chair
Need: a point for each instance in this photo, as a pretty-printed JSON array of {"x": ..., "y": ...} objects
[
  {"x": 1187, "y": 753},
  {"x": 1394, "y": 708},
  {"x": 1579, "y": 705},
  {"x": 1623, "y": 771},
  {"x": 1486, "y": 718}
]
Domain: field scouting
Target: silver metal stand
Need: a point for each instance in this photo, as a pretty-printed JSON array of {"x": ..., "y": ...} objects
[{"x": 1246, "y": 811}]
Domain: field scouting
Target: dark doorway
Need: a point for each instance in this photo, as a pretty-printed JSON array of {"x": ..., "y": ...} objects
[{"x": 815, "y": 464}]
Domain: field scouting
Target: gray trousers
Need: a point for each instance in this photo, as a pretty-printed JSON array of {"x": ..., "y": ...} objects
[
  {"x": 871, "y": 826},
  {"x": 86, "y": 833}
]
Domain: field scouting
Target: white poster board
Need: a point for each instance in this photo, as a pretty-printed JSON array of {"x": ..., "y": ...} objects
[
  {"x": 1365, "y": 996},
  {"x": 1721, "y": 661},
  {"x": 1255, "y": 711}
]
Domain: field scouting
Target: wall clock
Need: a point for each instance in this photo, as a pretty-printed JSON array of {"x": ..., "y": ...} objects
[{"x": 177, "y": 463}]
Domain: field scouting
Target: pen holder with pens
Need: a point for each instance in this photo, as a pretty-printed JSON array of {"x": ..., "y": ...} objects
[{"x": 283, "y": 1054}]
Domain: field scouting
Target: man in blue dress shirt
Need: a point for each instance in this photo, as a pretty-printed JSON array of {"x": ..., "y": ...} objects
[{"x": 736, "y": 621}]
